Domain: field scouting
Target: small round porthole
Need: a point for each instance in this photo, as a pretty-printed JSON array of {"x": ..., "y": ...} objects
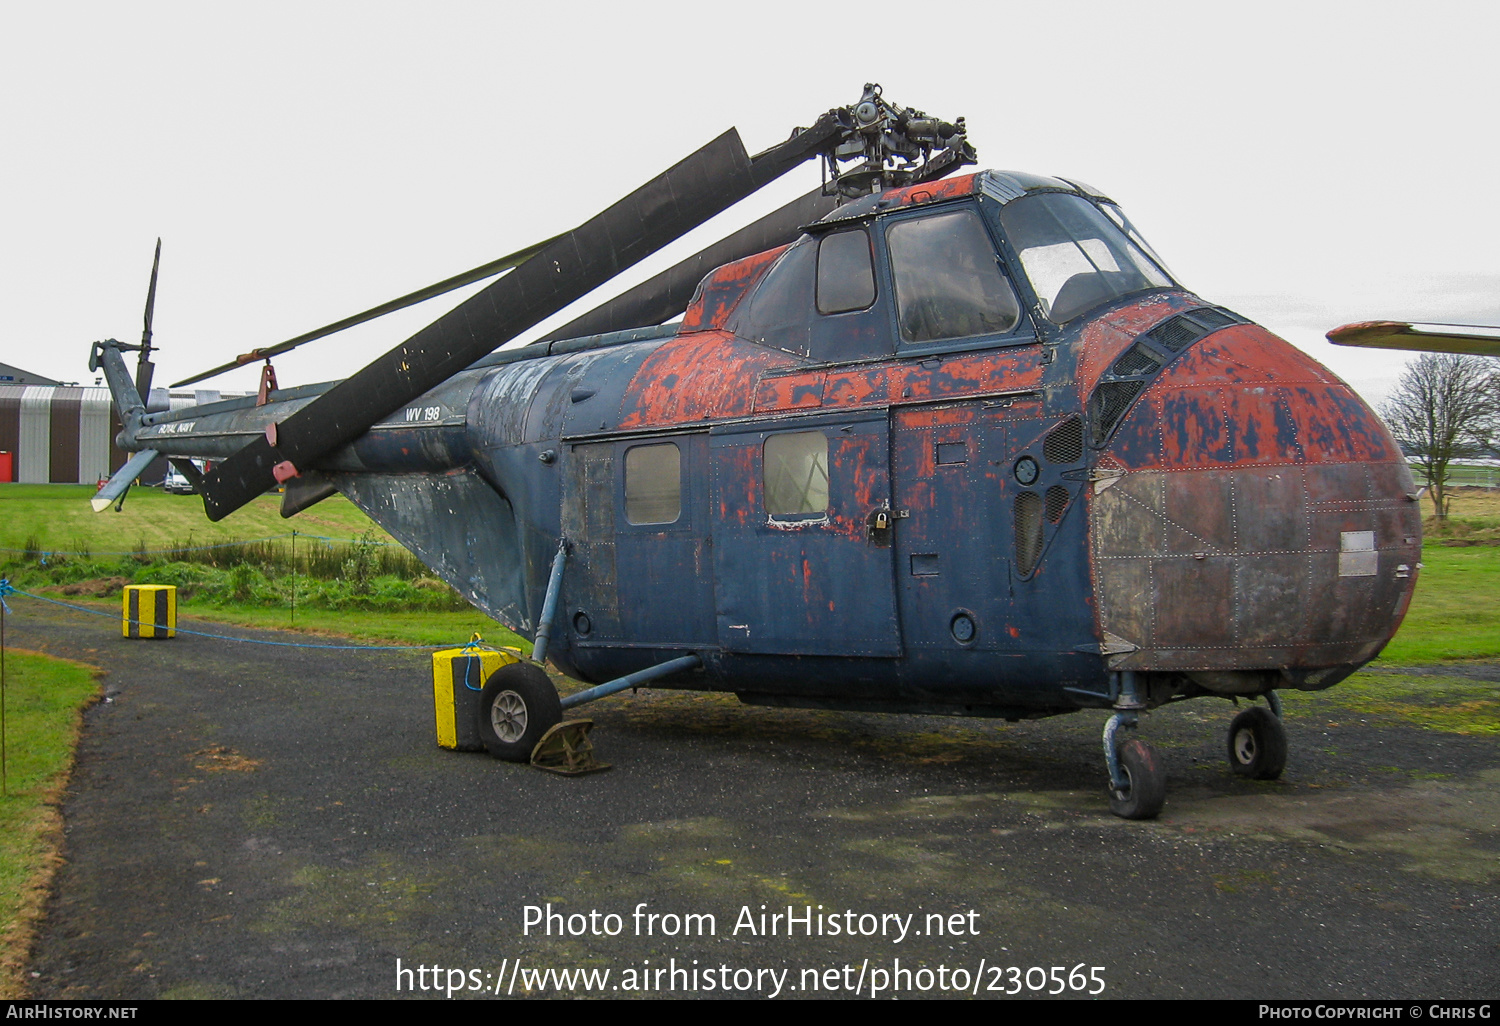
[
  {"x": 1026, "y": 470},
  {"x": 963, "y": 629},
  {"x": 582, "y": 624}
]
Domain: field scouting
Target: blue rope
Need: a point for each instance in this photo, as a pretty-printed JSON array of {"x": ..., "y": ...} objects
[
  {"x": 226, "y": 637},
  {"x": 5, "y": 589},
  {"x": 469, "y": 652}
]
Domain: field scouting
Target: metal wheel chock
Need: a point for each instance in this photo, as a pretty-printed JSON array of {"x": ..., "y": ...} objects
[{"x": 566, "y": 749}]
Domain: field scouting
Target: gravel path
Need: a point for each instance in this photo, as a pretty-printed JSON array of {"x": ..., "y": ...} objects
[{"x": 253, "y": 821}]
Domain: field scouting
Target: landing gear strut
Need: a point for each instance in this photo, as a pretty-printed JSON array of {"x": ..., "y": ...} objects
[{"x": 1137, "y": 782}]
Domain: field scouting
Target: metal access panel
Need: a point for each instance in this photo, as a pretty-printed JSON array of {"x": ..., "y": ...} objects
[
  {"x": 989, "y": 550},
  {"x": 799, "y": 565},
  {"x": 638, "y": 574}
]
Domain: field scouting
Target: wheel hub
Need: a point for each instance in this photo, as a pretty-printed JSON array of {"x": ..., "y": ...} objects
[
  {"x": 508, "y": 716},
  {"x": 1244, "y": 746}
]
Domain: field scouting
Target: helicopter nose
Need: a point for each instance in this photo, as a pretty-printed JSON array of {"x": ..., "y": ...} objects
[{"x": 1248, "y": 513}]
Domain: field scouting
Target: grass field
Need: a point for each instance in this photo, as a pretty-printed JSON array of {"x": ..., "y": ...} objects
[
  {"x": 60, "y": 517},
  {"x": 44, "y": 699},
  {"x": 1455, "y": 613}
]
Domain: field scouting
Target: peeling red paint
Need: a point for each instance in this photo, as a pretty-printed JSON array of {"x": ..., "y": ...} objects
[
  {"x": 1104, "y": 339},
  {"x": 972, "y": 374},
  {"x": 705, "y": 375},
  {"x": 789, "y": 392},
  {"x": 712, "y": 375},
  {"x": 930, "y": 192},
  {"x": 720, "y": 292},
  {"x": 1243, "y": 396}
]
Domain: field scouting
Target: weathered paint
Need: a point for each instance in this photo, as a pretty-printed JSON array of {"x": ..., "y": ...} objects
[
  {"x": 703, "y": 376},
  {"x": 1247, "y": 468},
  {"x": 712, "y": 376},
  {"x": 721, "y": 291},
  {"x": 1103, "y": 339},
  {"x": 956, "y": 187}
]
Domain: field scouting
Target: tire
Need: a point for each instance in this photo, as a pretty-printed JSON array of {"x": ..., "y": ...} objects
[
  {"x": 1146, "y": 791},
  {"x": 1257, "y": 744},
  {"x": 518, "y": 705}
]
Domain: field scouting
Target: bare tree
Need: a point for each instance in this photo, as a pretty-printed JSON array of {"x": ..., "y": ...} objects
[{"x": 1444, "y": 409}]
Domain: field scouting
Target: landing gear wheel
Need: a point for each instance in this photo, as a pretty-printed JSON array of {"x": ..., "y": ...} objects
[
  {"x": 1145, "y": 790},
  {"x": 1257, "y": 744},
  {"x": 518, "y": 705}
]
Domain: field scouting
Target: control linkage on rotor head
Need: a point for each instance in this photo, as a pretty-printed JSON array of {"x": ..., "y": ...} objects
[{"x": 895, "y": 146}]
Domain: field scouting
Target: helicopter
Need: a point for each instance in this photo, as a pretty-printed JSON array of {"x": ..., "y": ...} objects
[{"x": 917, "y": 442}]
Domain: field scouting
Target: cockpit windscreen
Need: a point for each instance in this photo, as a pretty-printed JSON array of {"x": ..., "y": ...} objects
[{"x": 1075, "y": 257}]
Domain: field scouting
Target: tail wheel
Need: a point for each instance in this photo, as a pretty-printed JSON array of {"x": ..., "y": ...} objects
[
  {"x": 1257, "y": 744},
  {"x": 1145, "y": 789},
  {"x": 518, "y": 705}
]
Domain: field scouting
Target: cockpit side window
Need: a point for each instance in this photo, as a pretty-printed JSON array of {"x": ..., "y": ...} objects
[
  {"x": 1075, "y": 257},
  {"x": 948, "y": 282},
  {"x": 846, "y": 272},
  {"x": 778, "y": 313},
  {"x": 1115, "y": 214}
]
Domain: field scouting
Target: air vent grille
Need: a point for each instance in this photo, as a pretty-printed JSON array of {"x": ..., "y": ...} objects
[
  {"x": 1176, "y": 333},
  {"x": 1135, "y": 361},
  {"x": 1109, "y": 403},
  {"x": 1065, "y": 443},
  {"x": 1057, "y": 503},
  {"x": 1028, "y": 532}
]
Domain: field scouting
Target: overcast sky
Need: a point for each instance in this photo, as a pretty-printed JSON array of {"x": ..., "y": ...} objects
[{"x": 1304, "y": 164}]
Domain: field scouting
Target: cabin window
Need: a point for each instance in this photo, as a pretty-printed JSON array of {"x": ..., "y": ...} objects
[
  {"x": 1075, "y": 257},
  {"x": 846, "y": 272},
  {"x": 653, "y": 484},
  {"x": 948, "y": 283},
  {"x": 796, "y": 473}
]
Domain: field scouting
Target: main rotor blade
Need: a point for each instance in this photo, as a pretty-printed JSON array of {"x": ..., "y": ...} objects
[
  {"x": 707, "y": 182},
  {"x": 458, "y": 281},
  {"x": 660, "y": 298},
  {"x": 670, "y": 205},
  {"x": 1473, "y": 339}
]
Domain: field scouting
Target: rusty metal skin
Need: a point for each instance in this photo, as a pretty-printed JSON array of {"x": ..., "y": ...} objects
[{"x": 1251, "y": 513}]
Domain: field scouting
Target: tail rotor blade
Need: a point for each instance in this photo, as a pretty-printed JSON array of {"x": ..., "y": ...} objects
[
  {"x": 151, "y": 297},
  {"x": 119, "y": 484},
  {"x": 144, "y": 367}
]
